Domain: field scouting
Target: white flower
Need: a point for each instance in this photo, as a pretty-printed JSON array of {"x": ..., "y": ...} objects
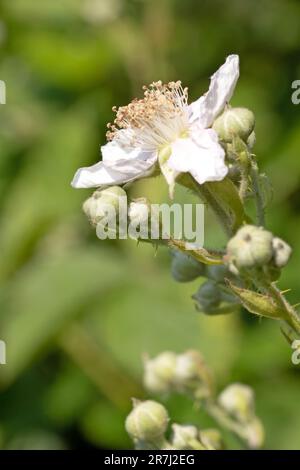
[{"x": 162, "y": 128}]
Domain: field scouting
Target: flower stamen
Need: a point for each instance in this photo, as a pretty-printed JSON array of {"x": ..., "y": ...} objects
[{"x": 156, "y": 119}]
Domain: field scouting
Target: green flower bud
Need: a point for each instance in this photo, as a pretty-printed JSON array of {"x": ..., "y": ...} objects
[
  {"x": 95, "y": 206},
  {"x": 184, "y": 268},
  {"x": 147, "y": 422},
  {"x": 208, "y": 296},
  {"x": 250, "y": 247},
  {"x": 238, "y": 400},
  {"x": 234, "y": 122},
  {"x": 186, "y": 437},
  {"x": 281, "y": 252},
  {"x": 159, "y": 372},
  {"x": 212, "y": 439}
]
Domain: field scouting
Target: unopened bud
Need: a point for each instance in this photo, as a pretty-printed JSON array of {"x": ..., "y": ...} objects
[
  {"x": 238, "y": 400},
  {"x": 185, "y": 268},
  {"x": 234, "y": 122},
  {"x": 208, "y": 296},
  {"x": 192, "y": 374},
  {"x": 218, "y": 272},
  {"x": 281, "y": 252},
  {"x": 159, "y": 372},
  {"x": 186, "y": 437},
  {"x": 250, "y": 247},
  {"x": 147, "y": 422},
  {"x": 95, "y": 207},
  {"x": 139, "y": 210},
  {"x": 143, "y": 220}
]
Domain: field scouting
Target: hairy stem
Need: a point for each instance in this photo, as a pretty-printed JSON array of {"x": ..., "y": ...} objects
[{"x": 260, "y": 208}]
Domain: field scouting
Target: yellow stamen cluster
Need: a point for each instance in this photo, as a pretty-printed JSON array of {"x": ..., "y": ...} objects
[{"x": 160, "y": 102}]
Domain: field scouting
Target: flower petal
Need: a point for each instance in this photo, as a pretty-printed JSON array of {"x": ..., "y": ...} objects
[
  {"x": 115, "y": 171},
  {"x": 201, "y": 155},
  {"x": 221, "y": 88}
]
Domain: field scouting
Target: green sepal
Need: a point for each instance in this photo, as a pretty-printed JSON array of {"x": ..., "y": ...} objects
[
  {"x": 258, "y": 304},
  {"x": 200, "y": 254}
]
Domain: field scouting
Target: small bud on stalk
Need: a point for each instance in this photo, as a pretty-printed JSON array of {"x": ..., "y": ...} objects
[
  {"x": 238, "y": 401},
  {"x": 234, "y": 122},
  {"x": 185, "y": 372},
  {"x": 96, "y": 206},
  {"x": 208, "y": 296},
  {"x": 192, "y": 374},
  {"x": 159, "y": 372},
  {"x": 186, "y": 437},
  {"x": 250, "y": 247},
  {"x": 185, "y": 268},
  {"x": 147, "y": 422}
]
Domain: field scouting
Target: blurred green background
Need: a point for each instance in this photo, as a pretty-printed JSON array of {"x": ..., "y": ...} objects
[{"x": 76, "y": 313}]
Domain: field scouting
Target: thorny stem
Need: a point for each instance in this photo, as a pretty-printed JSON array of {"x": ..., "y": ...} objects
[
  {"x": 291, "y": 313},
  {"x": 291, "y": 316},
  {"x": 244, "y": 161}
]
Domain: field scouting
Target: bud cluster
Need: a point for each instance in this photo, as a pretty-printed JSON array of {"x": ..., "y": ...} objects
[
  {"x": 147, "y": 425},
  {"x": 237, "y": 400},
  {"x": 213, "y": 296},
  {"x": 234, "y": 408},
  {"x": 185, "y": 373},
  {"x": 256, "y": 247}
]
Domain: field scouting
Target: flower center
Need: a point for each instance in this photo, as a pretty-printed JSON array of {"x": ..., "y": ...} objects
[{"x": 157, "y": 119}]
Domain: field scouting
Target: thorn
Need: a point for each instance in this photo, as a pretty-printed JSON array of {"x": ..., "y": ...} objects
[
  {"x": 296, "y": 305},
  {"x": 285, "y": 291}
]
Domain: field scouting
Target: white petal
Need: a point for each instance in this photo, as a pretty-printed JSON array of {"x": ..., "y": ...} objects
[
  {"x": 114, "y": 150},
  {"x": 201, "y": 155},
  {"x": 115, "y": 171},
  {"x": 222, "y": 85}
]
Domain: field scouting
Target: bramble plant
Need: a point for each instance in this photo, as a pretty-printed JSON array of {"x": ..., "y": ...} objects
[{"x": 207, "y": 147}]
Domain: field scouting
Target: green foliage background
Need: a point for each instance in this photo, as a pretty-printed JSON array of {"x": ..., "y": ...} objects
[{"x": 76, "y": 313}]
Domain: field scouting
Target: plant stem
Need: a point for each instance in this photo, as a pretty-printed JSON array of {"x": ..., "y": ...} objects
[
  {"x": 291, "y": 313},
  {"x": 245, "y": 167},
  {"x": 208, "y": 198},
  {"x": 225, "y": 421},
  {"x": 257, "y": 193}
]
